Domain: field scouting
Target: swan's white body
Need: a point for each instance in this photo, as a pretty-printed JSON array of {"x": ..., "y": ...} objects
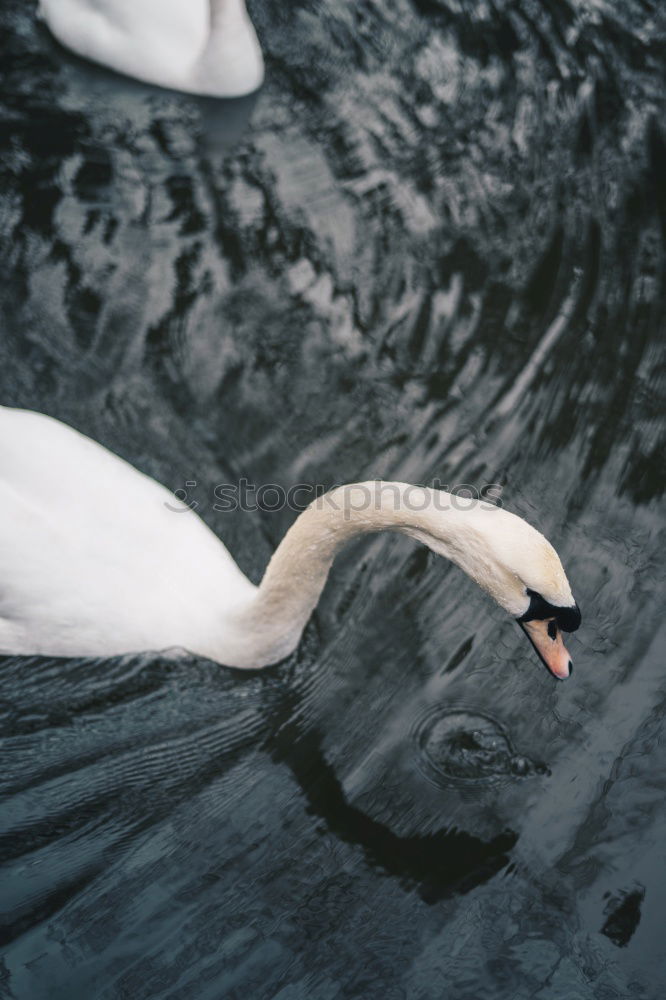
[
  {"x": 198, "y": 46},
  {"x": 94, "y": 560}
]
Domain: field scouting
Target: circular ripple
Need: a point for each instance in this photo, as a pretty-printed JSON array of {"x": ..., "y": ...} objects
[{"x": 459, "y": 747}]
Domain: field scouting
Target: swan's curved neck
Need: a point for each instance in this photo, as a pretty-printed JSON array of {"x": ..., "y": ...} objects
[{"x": 273, "y": 620}]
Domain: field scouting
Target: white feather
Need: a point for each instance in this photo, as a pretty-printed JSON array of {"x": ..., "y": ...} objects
[
  {"x": 199, "y": 46},
  {"x": 94, "y": 560}
]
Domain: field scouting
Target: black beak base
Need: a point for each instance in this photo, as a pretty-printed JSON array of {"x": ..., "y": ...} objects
[{"x": 568, "y": 619}]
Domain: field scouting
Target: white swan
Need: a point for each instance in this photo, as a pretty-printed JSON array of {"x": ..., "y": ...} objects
[
  {"x": 198, "y": 46},
  {"x": 94, "y": 561}
]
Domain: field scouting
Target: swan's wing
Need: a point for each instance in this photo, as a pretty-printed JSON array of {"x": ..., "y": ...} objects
[
  {"x": 91, "y": 549},
  {"x": 154, "y": 40}
]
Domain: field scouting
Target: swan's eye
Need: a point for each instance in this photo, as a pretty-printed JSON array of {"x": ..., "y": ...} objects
[{"x": 552, "y": 629}]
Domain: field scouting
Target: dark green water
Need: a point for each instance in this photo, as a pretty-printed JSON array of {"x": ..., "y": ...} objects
[{"x": 431, "y": 247}]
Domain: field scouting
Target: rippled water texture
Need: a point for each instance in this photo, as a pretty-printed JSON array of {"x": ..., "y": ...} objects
[{"x": 432, "y": 247}]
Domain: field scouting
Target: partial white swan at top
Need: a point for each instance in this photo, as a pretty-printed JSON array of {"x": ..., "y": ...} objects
[
  {"x": 199, "y": 46},
  {"x": 95, "y": 562}
]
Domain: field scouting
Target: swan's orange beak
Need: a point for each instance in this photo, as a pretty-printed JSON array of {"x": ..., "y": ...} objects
[{"x": 546, "y": 638}]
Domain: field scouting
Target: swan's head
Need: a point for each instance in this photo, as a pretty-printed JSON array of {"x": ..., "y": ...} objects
[{"x": 521, "y": 570}]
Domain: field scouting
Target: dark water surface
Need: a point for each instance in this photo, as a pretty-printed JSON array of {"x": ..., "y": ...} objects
[{"x": 431, "y": 247}]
